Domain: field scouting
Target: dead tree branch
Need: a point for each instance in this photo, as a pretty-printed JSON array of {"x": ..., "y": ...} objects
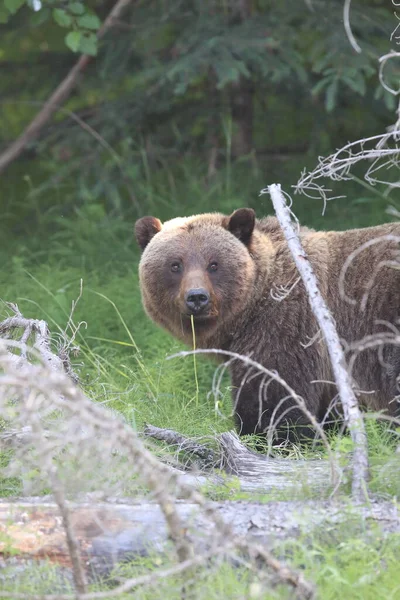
[
  {"x": 183, "y": 444},
  {"x": 380, "y": 151},
  {"x": 59, "y": 96},
  {"x": 352, "y": 413},
  {"x": 78, "y": 571},
  {"x": 38, "y": 329}
]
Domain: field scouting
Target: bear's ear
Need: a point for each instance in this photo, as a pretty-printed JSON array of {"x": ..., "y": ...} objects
[
  {"x": 145, "y": 229},
  {"x": 241, "y": 224}
]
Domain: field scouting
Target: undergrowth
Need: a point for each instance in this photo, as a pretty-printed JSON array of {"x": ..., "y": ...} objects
[{"x": 340, "y": 563}]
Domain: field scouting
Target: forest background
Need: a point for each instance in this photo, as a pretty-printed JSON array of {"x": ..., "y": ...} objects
[{"x": 185, "y": 107}]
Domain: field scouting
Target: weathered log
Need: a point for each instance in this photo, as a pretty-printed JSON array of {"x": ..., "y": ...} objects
[
  {"x": 109, "y": 533},
  {"x": 255, "y": 472}
]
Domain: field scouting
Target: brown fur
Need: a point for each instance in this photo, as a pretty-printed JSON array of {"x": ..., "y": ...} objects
[{"x": 253, "y": 261}]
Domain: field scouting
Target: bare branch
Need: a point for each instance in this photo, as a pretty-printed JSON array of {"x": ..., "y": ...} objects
[
  {"x": 382, "y": 64},
  {"x": 337, "y": 166},
  {"x": 182, "y": 443},
  {"x": 381, "y": 150},
  {"x": 347, "y": 26},
  {"x": 145, "y": 580},
  {"x": 325, "y": 321},
  {"x": 50, "y": 469},
  {"x": 42, "y": 344}
]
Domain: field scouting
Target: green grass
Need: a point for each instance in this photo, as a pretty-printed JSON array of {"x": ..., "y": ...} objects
[
  {"x": 119, "y": 346},
  {"x": 343, "y": 566},
  {"x": 350, "y": 568}
]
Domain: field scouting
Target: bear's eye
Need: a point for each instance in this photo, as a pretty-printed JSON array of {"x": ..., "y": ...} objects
[
  {"x": 212, "y": 267},
  {"x": 176, "y": 267}
]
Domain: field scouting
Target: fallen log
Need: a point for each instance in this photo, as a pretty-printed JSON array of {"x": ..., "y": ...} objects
[
  {"x": 112, "y": 532},
  {"x": 253, "y": 471}
]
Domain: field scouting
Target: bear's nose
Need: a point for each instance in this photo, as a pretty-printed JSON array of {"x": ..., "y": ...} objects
[{"x": 197, "y": 300}]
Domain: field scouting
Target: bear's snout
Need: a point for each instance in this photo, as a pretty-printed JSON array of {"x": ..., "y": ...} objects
[{"x": 197, "y": 300}]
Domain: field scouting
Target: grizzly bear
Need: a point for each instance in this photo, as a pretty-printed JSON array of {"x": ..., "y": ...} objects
[{"x": 236, "y": 277}]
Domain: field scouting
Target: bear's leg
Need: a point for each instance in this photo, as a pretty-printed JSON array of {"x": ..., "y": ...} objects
[{"x": 259, "y": 405}]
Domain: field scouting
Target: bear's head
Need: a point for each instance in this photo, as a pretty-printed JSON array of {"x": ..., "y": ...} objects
[{"x": 200, "y": 266}]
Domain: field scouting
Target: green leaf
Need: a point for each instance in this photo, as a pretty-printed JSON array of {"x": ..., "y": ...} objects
[
  {"x": 88, "y": 44},
  {"x": 89, "y": 21},
  {"x": 73, "y": 40},
  {"x": 320, "y": 85},
  {"x": 331, "y": 93},
  {"x": 357, "y": 84},
  {"x": 76, "y": 8},
  {"x": 13, "y": 5},
  {"x": 62, "y": 17},
  {"x": 40, "y": 17}
]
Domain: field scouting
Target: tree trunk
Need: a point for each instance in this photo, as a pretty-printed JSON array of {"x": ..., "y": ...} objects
[
  {"x": 242, "y": 100},
  {"x": 242, "y": 117}
]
